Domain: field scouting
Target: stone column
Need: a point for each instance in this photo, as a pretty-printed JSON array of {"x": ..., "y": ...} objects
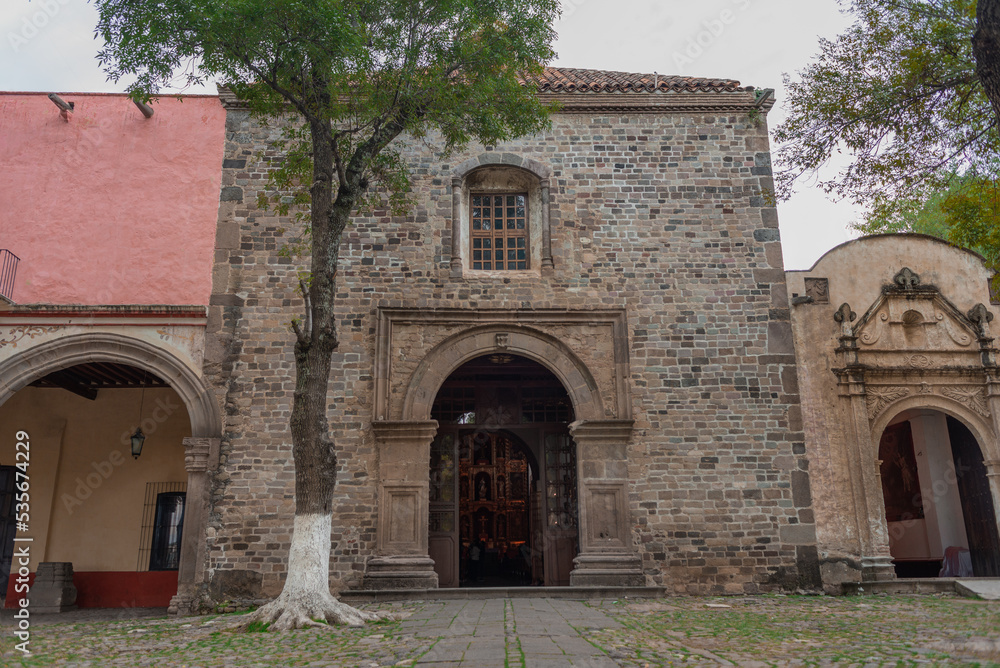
[
  {"x": 200, "y": 455},
  {"x": 456, "y": 227},
  {"x": 607, "y": 558},
  {"x": 866, "y": 484},
  {"x": 404, "y": 453},
  {"x": 546, "y": 227},
  {"x": 993, "y": 476},
  {"x": 862, "y": 456}
]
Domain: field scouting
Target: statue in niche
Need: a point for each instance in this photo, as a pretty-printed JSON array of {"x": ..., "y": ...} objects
[
  {"x": 501, "y": 488},
  {"x": 482, "y": 487}
]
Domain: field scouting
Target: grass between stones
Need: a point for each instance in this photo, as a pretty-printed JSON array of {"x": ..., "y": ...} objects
[
  {"x": 209, "y": 641},
  {"x": 804, "y": 630},
  {"x": 752, "y": 631}
]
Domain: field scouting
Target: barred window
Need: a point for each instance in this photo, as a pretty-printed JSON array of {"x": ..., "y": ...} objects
[{"x": 499, "y": 231}]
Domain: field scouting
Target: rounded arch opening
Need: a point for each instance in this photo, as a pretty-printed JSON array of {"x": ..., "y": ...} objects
[
  {"x": 937, "y": 502},
  {"x": 24, "y": 368},
  {"x": 503, "y": 475},
  {"x": 546, "y": 351},
  {"x": 79, "y": 399}
]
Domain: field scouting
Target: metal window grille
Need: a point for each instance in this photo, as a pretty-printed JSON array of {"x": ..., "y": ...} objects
[
  {"x": 8, "y": 271},
  {"x": 153, "y": 491}
]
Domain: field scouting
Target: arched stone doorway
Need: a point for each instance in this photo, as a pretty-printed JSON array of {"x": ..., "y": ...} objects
[
  {"x": 939, "y": 511},
  {"x": 176, "y": 401},
  {"x": 503, "y": 476},
  {"x": 417, "y": 351}
]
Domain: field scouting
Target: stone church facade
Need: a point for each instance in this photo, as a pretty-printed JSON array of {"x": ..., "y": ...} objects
[
  {"x": 652, "y": 291},
  {"x": 576, "y": 352}
]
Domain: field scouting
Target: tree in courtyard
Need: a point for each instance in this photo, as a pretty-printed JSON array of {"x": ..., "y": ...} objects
[
  {"x": 356, "y": 75},
  {"x": 912, "y": 93}
]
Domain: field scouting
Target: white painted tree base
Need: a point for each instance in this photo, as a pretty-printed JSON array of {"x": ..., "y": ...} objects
[
  {"x": 300, "y": 609},
  {"x": 306, "y": 599}
]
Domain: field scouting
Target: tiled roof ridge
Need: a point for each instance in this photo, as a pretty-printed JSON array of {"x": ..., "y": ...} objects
[{"x": 574, "y": 80}]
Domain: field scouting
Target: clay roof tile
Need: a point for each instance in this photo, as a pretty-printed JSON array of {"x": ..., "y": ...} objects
[{"x": 571, "y": 80}]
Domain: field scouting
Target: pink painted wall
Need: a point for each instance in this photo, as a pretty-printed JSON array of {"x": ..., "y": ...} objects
[{"x": 110, "y": 208}]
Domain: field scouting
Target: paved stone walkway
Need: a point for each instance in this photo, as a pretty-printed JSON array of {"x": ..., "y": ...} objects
[
  {"x": 768, "y": 630},
  {"x": 540, "y": 633}
]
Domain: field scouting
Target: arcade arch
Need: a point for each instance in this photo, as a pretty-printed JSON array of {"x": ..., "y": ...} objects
[{"x": 182, "y": 424}]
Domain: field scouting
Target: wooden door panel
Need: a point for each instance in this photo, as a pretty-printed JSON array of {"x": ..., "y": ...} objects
[
  {"x": 444, "y": 551},
  {"x": 977, "y": 501},
  {"x": 442, "y": 533}
]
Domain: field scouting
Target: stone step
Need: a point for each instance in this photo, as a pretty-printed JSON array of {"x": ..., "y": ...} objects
[
  {"x": 916, "y": 586},
  {"x": 987, "y": 589},
  {"x": 465, "y": 593}
]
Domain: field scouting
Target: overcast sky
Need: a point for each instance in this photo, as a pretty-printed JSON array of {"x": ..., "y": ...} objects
[{"x": 48, "y": 45}]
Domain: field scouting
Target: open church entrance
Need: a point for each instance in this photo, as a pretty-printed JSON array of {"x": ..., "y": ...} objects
[
  {"x": 503, "y": 492},
  {"x": 938, "y": 505}
]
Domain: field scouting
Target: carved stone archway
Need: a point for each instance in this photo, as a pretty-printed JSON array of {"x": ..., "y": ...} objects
[
  {"x": 201, "y": 449},
  {"x": 602, "y": 431},
  {"x": 526, "y": 342},
  {"x": 912, "y": 349}
]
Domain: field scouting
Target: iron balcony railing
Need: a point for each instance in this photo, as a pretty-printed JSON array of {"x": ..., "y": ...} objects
[{"x": 8, "y": 270}]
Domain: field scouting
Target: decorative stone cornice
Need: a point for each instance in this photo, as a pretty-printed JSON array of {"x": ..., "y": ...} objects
[
  {"x": 661, "y": 102},
  {"x": 658, "y": 103},
  {"x": 405, "y": 430},
  {"x": 603, "y": 431},
  {"x": 124, "y": 314}
]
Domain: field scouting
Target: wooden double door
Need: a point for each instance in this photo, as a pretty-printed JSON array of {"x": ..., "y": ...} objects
[{"x": 508, "y": 494}]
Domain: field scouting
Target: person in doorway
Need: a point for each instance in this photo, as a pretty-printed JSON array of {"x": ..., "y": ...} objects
[{"x": 475, "y": 558}]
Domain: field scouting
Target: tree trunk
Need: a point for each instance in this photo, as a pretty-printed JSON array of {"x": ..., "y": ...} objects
[
  {"x": 305, "y": 599},
  {"x": 986, "y": 49}
]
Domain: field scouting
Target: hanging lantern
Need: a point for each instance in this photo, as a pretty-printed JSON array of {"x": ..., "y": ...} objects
[{"x": 137, "y": 438}]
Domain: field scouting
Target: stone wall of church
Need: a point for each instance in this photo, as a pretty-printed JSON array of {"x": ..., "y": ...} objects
[{"x": 660, "y": 214}]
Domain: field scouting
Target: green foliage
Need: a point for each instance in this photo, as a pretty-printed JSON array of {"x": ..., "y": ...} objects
[
  {"x": 358, "y": 66},
  {"x": 257, "y": 626},
  {"x": 966, "y": 213},
  {"x": 343, "y": 79},
  {"x": 899, "y": 93}
]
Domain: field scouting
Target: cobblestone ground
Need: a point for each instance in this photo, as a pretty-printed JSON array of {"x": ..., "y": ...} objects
[{"x": 748, "y": 631}]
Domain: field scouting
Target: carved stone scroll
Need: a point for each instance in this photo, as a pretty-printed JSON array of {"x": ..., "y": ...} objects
[
  {"x": 879, "y": 397},
  {"x": 973, "y": 398}
]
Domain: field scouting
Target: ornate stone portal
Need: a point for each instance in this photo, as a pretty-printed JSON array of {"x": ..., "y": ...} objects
[
  {"x": 911, "y": 343},
  {"x": 912, "y": 348},
  {"x": 417, "y": 351}
]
